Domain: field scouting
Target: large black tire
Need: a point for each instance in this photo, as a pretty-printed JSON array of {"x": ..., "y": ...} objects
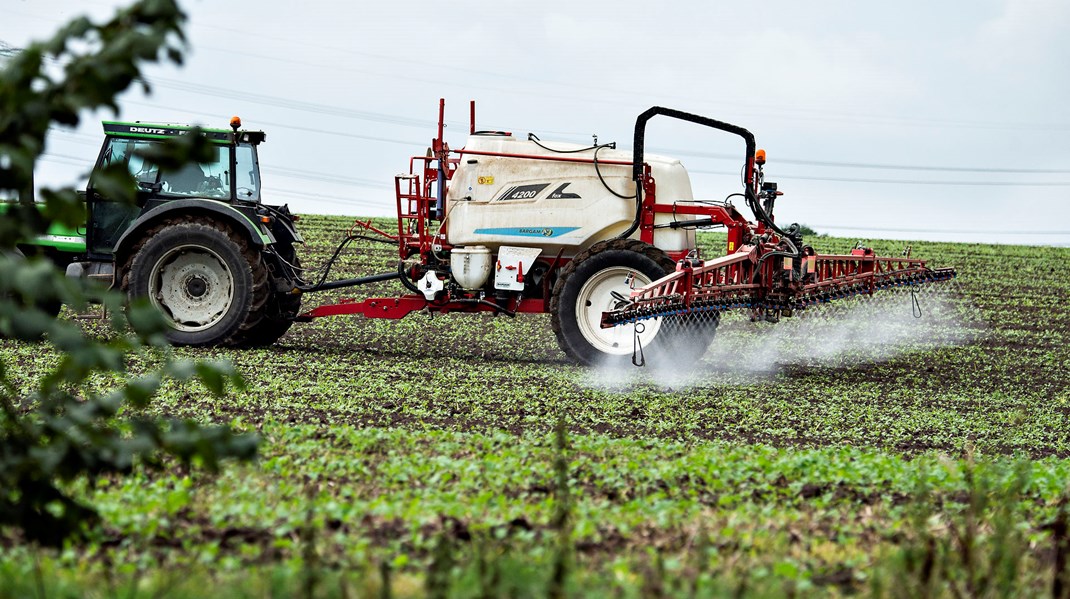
[
  {"x": 282, "y": 308},
  {"x": 267, "y": 325},
  {"x": 586, "y": 288},
  {"x": 206, "y": 279}
]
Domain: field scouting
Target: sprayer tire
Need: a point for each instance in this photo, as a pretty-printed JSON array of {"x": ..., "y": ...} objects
[
  {"x": 206, "y": 279},
  {"x": 583, "y": 292}
]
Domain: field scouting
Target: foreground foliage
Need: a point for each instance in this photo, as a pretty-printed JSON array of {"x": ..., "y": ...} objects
[{"x": 54, "y": 428}]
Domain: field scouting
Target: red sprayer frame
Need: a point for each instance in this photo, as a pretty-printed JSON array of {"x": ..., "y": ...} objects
[
  {"x": 749, "y": 276},
  {"x": 770, "y": 289}
]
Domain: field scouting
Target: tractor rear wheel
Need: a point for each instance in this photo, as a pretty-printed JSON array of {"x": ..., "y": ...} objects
[
  {"x": 201, "y": 275},
  {"x": 267, "y": 325},
  {"x": 594, "y": 282},
  {"x": 280, "y": 311}
]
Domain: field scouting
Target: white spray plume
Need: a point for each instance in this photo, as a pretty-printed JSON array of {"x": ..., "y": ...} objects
[{"x": 846, "y": 333}]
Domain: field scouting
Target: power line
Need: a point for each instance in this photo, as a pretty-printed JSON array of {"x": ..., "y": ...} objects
[
  {"x": 7, "y": 50},
  {"x": 333, "y": 178},
  {"x": 409, "y": 122},
  {"x": 605, "y": 93},
  {"x": 955, "y": 231},
  {"x": 260, "y": 123},
  {"x": 734, "y": 157},
  {"x": 393, "y": 119},
  {"x": 788, "y": 177},
  {"x": 325, "y": 177},
  {"x": 269, "y": 171},
  {"x": 331, "y": 199},
  {"x": 280, "y": 102},
  {"x": 874, "y": 165},
  {"x": 81, "y": 160},
  {"x": 923, "y": 182}
]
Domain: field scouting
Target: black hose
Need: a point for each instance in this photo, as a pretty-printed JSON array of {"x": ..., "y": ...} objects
[
  {"x": 354, "y": 282},
  {"x": 597, "y": 148},
  {"x": 598, "y": 172},
  {"x": 758, "y": 268},
  {"x": 330, "y": 263},
  {"x": 535, "y": 138},
  {"x": 405, "y": 278},
  {"x": 638, "y": 213},
  {"x": 763, "y": 217}
]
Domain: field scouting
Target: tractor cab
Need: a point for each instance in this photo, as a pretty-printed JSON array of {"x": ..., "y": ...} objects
[{"x": 233, "y": 177}]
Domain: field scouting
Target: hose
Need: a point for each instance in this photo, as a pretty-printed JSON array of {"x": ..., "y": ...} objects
[
  {"x": 405, "y": 278},
  {"x": 597, "y": 148},
  {"x": 604, "y": 184},
  {"x": 759, "y": 213},
  {"x": 330, "y": 262},
  {"x": 638, "y": 213},
  {"x": 758, "y": 268},
  {"x": 535, "y": 138}
]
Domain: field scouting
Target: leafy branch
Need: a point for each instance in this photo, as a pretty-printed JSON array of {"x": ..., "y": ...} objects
[{"x": 61, "y": 430}]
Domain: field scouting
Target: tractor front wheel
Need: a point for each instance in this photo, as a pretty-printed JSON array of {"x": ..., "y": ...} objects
[{"x": 198, "y": 275}]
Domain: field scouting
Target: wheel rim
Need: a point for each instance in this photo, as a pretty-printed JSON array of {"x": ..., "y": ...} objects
[
  {"x": 597, "y": 296},
  {"x": 193, "y": 286}
]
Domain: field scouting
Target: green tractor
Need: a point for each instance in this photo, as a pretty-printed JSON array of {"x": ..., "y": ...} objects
[{"x": 219, "y": 264}]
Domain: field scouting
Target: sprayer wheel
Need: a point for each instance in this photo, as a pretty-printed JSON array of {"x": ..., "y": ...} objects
[{"x": 591, "y": 284}]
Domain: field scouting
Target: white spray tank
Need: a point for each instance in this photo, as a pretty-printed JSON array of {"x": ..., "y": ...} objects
[{"x": 551, "y": 195}]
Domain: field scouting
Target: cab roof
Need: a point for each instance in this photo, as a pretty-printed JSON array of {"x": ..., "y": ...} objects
[{"x": 140, "y": 130}]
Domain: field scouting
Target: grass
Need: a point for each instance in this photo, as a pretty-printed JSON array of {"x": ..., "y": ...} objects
[{"x": 804, "y": 458}]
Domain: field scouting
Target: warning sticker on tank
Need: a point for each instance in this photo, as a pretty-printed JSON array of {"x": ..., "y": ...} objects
[
  {"x": 485, "y": 180},
  {"x": 523, "y": 192}
]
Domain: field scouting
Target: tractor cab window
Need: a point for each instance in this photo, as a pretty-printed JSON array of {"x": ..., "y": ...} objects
[
  {"x": 248, "y": 173},
  {"x": 109, "y": 219},
  {"x": 208, "y": 180},
  {"x": 122, "y": 151}
]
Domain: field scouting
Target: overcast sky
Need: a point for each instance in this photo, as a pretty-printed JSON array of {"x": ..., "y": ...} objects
[{"x": 914, "y": 119}]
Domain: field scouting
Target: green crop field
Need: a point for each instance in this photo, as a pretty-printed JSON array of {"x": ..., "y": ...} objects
[{"x": 855, "y": 449}]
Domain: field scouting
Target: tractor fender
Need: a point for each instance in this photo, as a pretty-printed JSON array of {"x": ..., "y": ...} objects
[
  {"x": 284, "y": 231},
  {"x": 221, "y": 210}
]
